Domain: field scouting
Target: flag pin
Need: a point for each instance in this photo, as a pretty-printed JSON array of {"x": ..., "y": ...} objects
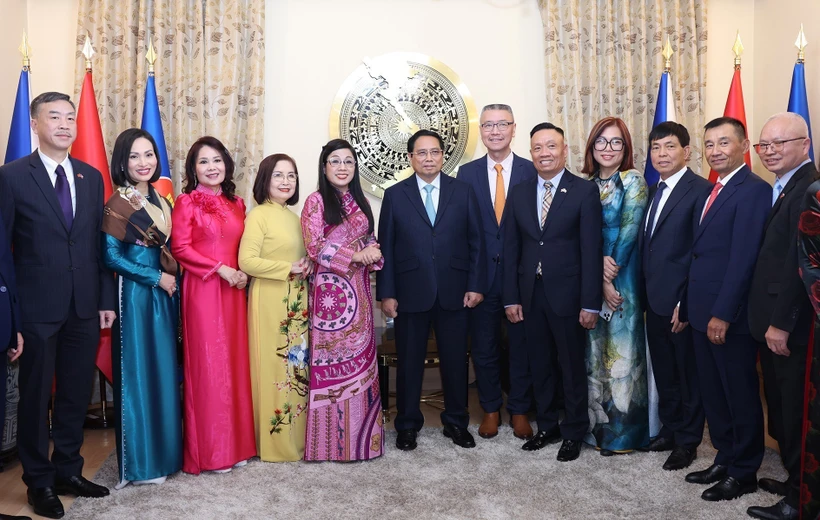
[{"x": 79, "y": 175}]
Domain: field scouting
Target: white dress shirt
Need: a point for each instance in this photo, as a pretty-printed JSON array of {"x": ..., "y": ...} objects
[
  {"x": 436, "y": 189},
  {"x": 51, "y": 166},
  {"x": 724, "y": 181},
  {"x": 506, "y": 173},
  {"x": 671, "y": 182}
]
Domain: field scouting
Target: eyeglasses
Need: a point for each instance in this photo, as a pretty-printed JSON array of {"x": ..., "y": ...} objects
[
  {"x": 502, "y": 125},
  {"x": 279, "y": 177},
  {"x": 774, "y": 146},
  {"x": 336, "y": 162},
  {"x": 616, "y": 143},
  {"x": 435, "y": 153}
]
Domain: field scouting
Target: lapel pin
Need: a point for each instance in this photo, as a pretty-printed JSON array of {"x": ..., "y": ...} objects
[
  {"x": 563, "y": 190},
  {"x": 79, "y": 175}
]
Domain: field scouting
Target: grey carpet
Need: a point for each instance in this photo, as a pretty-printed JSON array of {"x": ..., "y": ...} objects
[{"x": 495, "y": 480}]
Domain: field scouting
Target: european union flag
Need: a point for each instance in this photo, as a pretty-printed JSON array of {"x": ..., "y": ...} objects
[
  {"x": 799, "y": 100},
  {"x": 664, "y": 111}
]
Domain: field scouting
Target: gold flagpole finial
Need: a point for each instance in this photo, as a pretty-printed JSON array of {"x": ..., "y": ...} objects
[
  {"x": 25, "y": 50},
  {"x": 801, "y": 43},
  {"x": 88, "y": 51},
  {"x": 151, "y": 57},
  {"x": 737, "y": 48},
  {"x": 667, "y": 55}
]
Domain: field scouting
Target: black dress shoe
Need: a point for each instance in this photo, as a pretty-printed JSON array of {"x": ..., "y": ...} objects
[
  {"x": 775, "y": 487},
  {"x": 45, "y": 502},
  {"x": 709, "y": 475},
  {"x": 659, "y": 444},
  {"x": 461, "y": 437},
  {"x": 729, "y": 488},
  {"x": 779, "y": 511},
  {"x": 12, "y": 517},
  {"x": 80, "y": 486},
  {"x": 680, "y": 458},
  {"x": 406, "y": 440},
  {"x": 569, "y": 450},
  {"x": 541, "y": 439}
]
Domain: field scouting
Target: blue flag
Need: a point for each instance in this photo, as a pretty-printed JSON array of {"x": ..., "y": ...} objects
[
  {"x": 152, "y": 123},
  {"x": 21, "y": 142},
  {"x": 664, "y": 111},
  {"x": 799, "y": 100}
]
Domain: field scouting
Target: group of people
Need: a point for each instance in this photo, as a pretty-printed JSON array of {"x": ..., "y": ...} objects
[{"x": 591, "y": 282}]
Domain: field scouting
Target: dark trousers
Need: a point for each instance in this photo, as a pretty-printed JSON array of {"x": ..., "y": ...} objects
[
  {"x": 486, "y": 321},
  {"x": 555, "y": 349},
  {"x": 731, "y": 398},
  {"x": 676, "y": 376},
  {"x": 412, "y": 333},
  {"x": 783, "y": 385},
  {"x": 64, "y": 351}
]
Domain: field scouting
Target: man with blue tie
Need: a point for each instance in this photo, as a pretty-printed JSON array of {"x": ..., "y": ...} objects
[
  {"x": 492, "y": 177},
  {"x": 434, "y": 272},
  {"x": 726, "y": 243}
]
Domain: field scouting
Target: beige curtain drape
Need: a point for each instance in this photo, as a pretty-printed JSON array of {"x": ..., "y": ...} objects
[
  {"x": 603, "y": 58},
  {"x": 209, "y": 73}
]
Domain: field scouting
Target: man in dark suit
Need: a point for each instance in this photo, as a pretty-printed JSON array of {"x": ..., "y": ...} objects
[
  {"x": 52, "y": 208},
  {"x": 552, "y": 282},
  {"x": 729, "y": 230},
  {"x": 780, "y": 313},
  {"x": 492, "y": 177},
  {"x": 434, "y": 271},
  {"x": 666, "y": 251}
]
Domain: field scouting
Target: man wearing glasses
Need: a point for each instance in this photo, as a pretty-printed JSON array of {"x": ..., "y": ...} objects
[
  {"x": 492, "y": 177},
  {"x": 780, "y": 314},
  {"x": 434, "y": 272}
]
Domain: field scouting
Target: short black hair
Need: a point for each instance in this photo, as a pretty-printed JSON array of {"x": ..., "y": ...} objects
[
  {"x": 740, "y": 128},
  {"x": 667, "y": 128},
  {"x": 48, "y": 97},
  {"x": 545, "y": 126},
  {"x": 122, "y": 150},
  {"x": 261, "y": 186},
  {"x": 411, "y": 143}
]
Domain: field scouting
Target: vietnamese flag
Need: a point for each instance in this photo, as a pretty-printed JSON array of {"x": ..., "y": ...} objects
[
  {"x": 89, "y": 147},
  {"x": 736, "y": 109}
]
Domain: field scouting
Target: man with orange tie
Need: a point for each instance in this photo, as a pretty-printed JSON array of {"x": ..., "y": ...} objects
[
  {"x": 728, "y": 234},
  {"x": 492, "y": 177}
]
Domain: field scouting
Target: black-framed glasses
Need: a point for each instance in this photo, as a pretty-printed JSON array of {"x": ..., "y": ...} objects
[
  {"x": 435, "y": 153},
  {"x": 501, "y": 125},
  {"x": 336, "y": 162},
  {"x": 775, "y": 146},
  {"x": 616, "y": 144}
]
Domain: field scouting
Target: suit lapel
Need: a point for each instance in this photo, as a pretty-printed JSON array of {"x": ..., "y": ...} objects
[
  {"x": 722, "y": 197},
  {"x": 675, "y": 197},
  {"x": 81, "y": 190},
  {"x": 411, "y": 189},
  {"x": 40, "y": 176},
  {"x": 484, "y": 195},
  {"x": 516, "y": 177},
  {"x": 559, "y": 194},
  {"x": 446, "y": 186},
  {"x": 796, "y": 178}
]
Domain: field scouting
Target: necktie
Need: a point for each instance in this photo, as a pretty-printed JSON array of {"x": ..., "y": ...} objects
[
  {"x": 656, "y": 201},
  {"x": 64, "y": 195},
  {"x": 499, "y": 193},
  {"x": 428, "y": 203},
  {"x": 776, "y": 192},
  {"x": 715, "y": 190},
  {"x": 546, "y": 202}
]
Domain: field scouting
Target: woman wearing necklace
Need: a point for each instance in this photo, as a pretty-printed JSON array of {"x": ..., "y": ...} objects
[
  {"x": 136, "y": 231},
  {"x": 208, "y": 223},
  {"x": 616, "y": 348},
  {"x": 272, "y": 253}
]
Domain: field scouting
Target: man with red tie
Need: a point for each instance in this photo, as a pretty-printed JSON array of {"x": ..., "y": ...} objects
[{"x": 728, "y": 234}]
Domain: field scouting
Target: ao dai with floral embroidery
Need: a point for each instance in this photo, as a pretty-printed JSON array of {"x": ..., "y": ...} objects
[{"x": 344, "y": 409}]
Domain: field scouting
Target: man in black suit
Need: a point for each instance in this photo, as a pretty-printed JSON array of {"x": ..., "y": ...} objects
[
  {"x": 552, "y": 282},
  {"x": 52, "y": 208},
  {"x": 780, "y": 313},
  {"x": 492, "y": 177},
  {"x": 431, "y": 238},
  {"x": 666, "y": 251}
]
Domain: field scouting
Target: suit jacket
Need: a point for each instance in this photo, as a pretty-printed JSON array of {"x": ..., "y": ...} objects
[
  {"x": 423, "y": 261},
  {"x": 665, "y": 265},
  {"x": 724, "y": 252},
  {"x": 55, "y": 264},
  {"x": 570, "y": 247},
  {"x": 777, "y": 297},
  {"x": 474, "y": 173},
  {"x": 9, "y": 307}
]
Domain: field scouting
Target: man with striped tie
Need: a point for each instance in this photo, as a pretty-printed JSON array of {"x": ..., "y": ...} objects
[{"x": 552, "y": 282}]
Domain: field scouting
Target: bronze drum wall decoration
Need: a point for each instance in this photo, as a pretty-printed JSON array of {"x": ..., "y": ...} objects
[{"x": 390, "y": 97}]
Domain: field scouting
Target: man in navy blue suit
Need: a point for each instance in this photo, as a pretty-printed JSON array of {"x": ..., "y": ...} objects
[
  {"x": 552, "y": 282},
  {"x": 434, "y": 272},
  {"x": 666, "y": 251},
  {"x": 492, "y": 177},
  {"x": 726, "y": 243}
]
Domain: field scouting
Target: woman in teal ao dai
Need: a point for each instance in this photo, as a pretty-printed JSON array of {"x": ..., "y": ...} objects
[
  {"x": 136, "y": 232},
  {"x": 616, "y": 349}
]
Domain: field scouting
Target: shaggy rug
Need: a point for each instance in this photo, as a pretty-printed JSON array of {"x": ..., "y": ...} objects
[{"x": 495, "y": 480}]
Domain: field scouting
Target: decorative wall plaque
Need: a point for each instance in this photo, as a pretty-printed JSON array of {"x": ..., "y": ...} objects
[{"x": 390, "y": 97}]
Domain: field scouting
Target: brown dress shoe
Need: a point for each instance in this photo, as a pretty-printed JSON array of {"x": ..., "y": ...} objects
[
  {"x": 489, "y": 426},
  {"x": 521, "y": 427}
]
